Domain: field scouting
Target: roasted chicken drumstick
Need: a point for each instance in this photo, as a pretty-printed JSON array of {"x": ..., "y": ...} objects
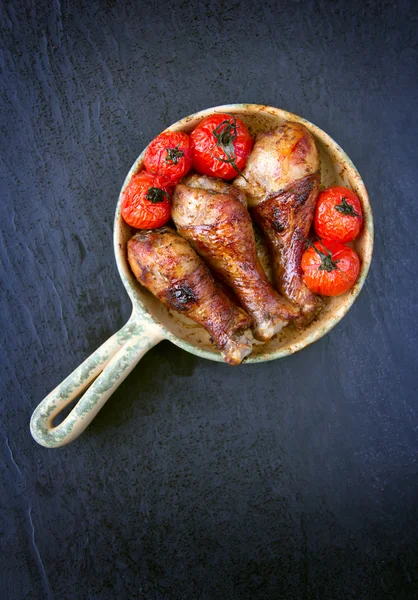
[
  {"x": 166, "y": 264},
  {"x": 281, "y": 181},
  {"x": 212, "y": 216}
]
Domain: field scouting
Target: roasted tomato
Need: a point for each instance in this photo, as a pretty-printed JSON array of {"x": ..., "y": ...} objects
[
  {"x": 338, "y": 215},
  {"x": 221, "y": 145},
  {"x": 169, "y": 156},
  {"x": 146, "y": 202},
  {"x": 330, "y": 268}
]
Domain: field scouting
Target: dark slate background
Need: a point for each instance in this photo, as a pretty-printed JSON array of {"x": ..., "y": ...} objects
[{"x": 197, "y": 481}]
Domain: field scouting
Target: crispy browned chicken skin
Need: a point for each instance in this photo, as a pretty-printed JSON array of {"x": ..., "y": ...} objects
[
  {"x": 166, "y": 264},
  {"x": 212, "y": 215},
  {"x": 281, "y": 181}
]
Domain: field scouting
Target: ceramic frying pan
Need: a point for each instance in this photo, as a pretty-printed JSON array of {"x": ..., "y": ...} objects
[{"x": 100, "y": 374}]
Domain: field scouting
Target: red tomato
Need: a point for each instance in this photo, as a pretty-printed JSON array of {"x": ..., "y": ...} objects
[
  {"x": 330, "y": 268},
  {"x": 169, "y": 156},
  {"x": 146, "y": 203},
  {"x": 221, "y": 145},
  {"x": 338, "y": 215}
]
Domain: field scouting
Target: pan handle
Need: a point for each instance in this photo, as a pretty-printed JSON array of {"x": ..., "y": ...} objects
[{"x": 103, "y": 371}]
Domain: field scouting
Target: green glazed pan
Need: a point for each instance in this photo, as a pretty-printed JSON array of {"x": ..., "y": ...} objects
[{"x": 100, "y": 374}]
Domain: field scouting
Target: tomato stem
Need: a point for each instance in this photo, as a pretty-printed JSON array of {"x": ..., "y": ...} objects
[
  {"x": 345, "y": 208},
  {"x": 327, "y": 262},
  {"x": 174, "y": 154},
  {"x": 226, "y": 134},
  {"x": 156, "y": 195}
]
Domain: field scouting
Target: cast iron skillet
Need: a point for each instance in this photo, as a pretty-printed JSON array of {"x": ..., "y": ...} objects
[{"x": 151, "y": 322}]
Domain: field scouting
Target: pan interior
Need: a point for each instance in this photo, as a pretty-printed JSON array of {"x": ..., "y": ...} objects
[{"x": 336, "y": 169}]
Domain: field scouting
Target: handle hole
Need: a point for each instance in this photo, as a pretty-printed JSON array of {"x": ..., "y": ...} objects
[
  {"x": 63, "y": 414},
  {"x": 59, "y": 418}
]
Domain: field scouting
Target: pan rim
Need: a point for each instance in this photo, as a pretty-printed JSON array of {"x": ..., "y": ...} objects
[{"x": 142, "y": 312}]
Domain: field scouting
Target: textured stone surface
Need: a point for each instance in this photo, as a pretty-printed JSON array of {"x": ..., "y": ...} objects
[{"x": 291, "y": 479}]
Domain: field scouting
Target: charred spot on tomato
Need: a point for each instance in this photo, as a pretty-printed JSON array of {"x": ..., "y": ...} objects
[
  {"x": 174, "y": 155},
  {"x": 181, "y": 296},
  {"x": 156, "y": 195}
]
